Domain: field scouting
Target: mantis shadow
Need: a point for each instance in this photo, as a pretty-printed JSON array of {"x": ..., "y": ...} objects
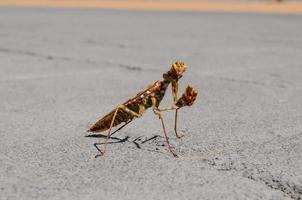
[
  {"x": 137, "y": 141},
  {"x": 101, "y": 143}
]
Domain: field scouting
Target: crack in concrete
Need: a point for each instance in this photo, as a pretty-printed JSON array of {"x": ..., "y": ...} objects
[
  {"x": 250, "y": 82},
  {"x": 243, "y": 81},
  {"x": 288, "y": 188},
  {"x": 130, "y": 67},
  {"x": 51, "y": 57},
  {"x": 33, "y": 54},
  {"x": 110, "y": 44}
]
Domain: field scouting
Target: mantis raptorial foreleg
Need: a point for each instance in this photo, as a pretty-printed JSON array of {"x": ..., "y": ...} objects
[{"x": 187, "y": 99}]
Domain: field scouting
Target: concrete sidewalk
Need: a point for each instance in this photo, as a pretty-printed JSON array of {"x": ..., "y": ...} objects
[{"x": 62, "y": 69}]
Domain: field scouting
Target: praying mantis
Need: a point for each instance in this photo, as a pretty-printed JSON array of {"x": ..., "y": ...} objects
[{"x": 151, "y": 97}]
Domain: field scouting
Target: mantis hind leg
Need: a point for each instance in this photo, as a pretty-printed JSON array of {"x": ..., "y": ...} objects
[
  {"x": 121, "y": 127},
  {"x": 124, "y": 108}
]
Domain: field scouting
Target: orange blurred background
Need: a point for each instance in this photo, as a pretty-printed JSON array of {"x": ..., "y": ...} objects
[{"x": 264, "y": 6}]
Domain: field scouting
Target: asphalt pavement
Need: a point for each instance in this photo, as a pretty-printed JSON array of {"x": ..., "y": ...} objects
[{"x": 63, "y": 69}]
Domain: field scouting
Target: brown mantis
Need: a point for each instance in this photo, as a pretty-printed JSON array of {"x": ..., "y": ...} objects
[{"x": 150, "y": 97}]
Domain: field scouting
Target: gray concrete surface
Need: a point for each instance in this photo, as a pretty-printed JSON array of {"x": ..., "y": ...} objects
[{"x": 60, "y": 70}]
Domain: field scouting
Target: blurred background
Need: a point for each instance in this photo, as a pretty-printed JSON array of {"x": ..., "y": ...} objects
[{"x": 214, "y": 5}]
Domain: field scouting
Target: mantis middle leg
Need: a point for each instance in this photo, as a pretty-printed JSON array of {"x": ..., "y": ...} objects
[{"x": 159, "y": 114}]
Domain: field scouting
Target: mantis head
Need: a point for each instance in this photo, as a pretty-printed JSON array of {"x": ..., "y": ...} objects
[{"x": 176, "y": 71}]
